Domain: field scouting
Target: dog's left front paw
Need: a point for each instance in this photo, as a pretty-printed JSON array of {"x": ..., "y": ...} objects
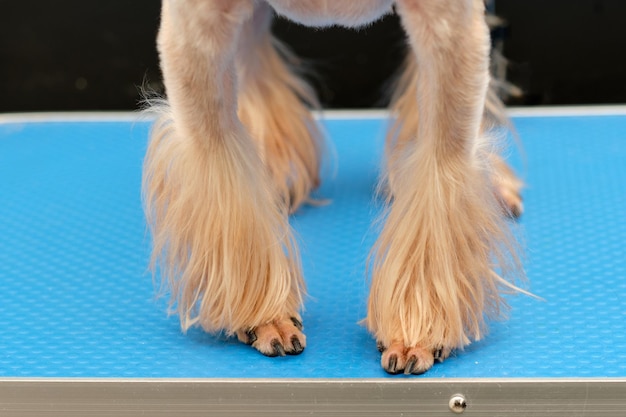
[
  {"x": 277, "y": 338},
  {"x": 397, "y": 358}
]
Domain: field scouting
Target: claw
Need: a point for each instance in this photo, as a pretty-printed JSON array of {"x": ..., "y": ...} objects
[
  {"x": 252, "y": 337},
  {"x": 381, "y": 348},
  {"x": 437, "y": 354},
  {"x": 393, "y": 363},
  {"x": 297, "y": 346},
  {"x": 516, "y": 211},
  {"x": 279, "y": 350},
  {"x": 410, "y": 365},
  {"x": 297, "y": 323}
]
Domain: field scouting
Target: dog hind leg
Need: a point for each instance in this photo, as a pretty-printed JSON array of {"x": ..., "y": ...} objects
[
  {"x": 221, "y": 239},
  {"x": 404, "y": 109},
  {"x": 273, "y": 106},
  {"x": 433, "y": 276}
]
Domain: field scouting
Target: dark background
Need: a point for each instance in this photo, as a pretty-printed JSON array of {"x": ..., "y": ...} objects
[{"x": 93, "y": 55}]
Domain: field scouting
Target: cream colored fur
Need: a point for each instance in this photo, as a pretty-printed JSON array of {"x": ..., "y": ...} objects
[
  {"x": 405, "y": 121},
  {"x": 433, "y": 274},
  {"x": 291, "y": 147},
  {"x": 235, "y": 149},
  {"x": 219, "y": 226}
]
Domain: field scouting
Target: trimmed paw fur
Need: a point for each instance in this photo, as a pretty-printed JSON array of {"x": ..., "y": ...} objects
[
  {"x": 277, "y": 338},
  {"x": 397, "y": 358}
]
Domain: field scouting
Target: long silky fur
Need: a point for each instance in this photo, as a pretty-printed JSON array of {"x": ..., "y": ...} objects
[
  {"x": 221, "y": 240},
  {"x": 274, "y": 105},
  {"x": 222, "y": 243},
  {"x": 434, "y": 276},
  {"x": 405, "y": 120},
  {"x": 441, "y": 261}
]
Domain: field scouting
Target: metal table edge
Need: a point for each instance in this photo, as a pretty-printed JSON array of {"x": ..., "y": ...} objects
[{"x": 271, "y": 397}]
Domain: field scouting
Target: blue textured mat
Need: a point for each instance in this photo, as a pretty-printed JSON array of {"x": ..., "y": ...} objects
[{"x": 76, "y": 301}]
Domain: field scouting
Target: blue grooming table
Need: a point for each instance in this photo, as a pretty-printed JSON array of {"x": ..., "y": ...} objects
[{"x": 81, "y": 329}]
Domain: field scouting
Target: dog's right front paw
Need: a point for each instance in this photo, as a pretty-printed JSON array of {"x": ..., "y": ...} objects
[{"x": 277, "y": 338}]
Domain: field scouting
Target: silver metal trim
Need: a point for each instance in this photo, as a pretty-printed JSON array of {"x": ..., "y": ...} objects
[
  {"x": 567, "y": 111},
  {"x": 134, "y": 116},
  {"x": 539, "y": 111},
  {"x": 323, "y": 397},
  {"x": 63, "y": 117}
]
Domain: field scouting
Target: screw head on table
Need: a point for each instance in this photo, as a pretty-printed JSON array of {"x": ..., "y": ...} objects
[{"x": 457, "y": 403}]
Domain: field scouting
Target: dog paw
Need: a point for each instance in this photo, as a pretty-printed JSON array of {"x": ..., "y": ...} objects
[
  {"x": 277, "y": 338},
  {"x": 397, "y": 358}
]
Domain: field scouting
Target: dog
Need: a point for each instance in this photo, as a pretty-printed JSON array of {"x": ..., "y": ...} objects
[{"x": 235, "y": 150}]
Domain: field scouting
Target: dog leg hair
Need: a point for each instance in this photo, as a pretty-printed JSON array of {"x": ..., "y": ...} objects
[
  {"x": 272, "y": 105},
  {"x": 434, "y": 276},
  {"x": 221, "y": 238},
  {"x": 404, "y": 110}
]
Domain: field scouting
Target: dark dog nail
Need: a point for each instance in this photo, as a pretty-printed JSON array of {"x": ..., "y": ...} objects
[
  {"x": 437, "y": 354},
  {"x": 393, "y": 363},
  {"x": 297, "y": 346},
  {"x": 252, "y": 337},
  {"x": 410, "y": 365},
  {"x": 279, "y": 350},
  {"x": 381, "y": 348},
  {"x": 297, "y": 323}
]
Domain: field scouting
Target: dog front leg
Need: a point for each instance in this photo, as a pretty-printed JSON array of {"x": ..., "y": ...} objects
[
  {"x": 221, "y": 238},
  {"x": 433, "y": 275}
]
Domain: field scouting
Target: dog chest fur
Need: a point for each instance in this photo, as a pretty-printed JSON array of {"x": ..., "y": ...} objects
[{"x": 348, "y": 13}]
